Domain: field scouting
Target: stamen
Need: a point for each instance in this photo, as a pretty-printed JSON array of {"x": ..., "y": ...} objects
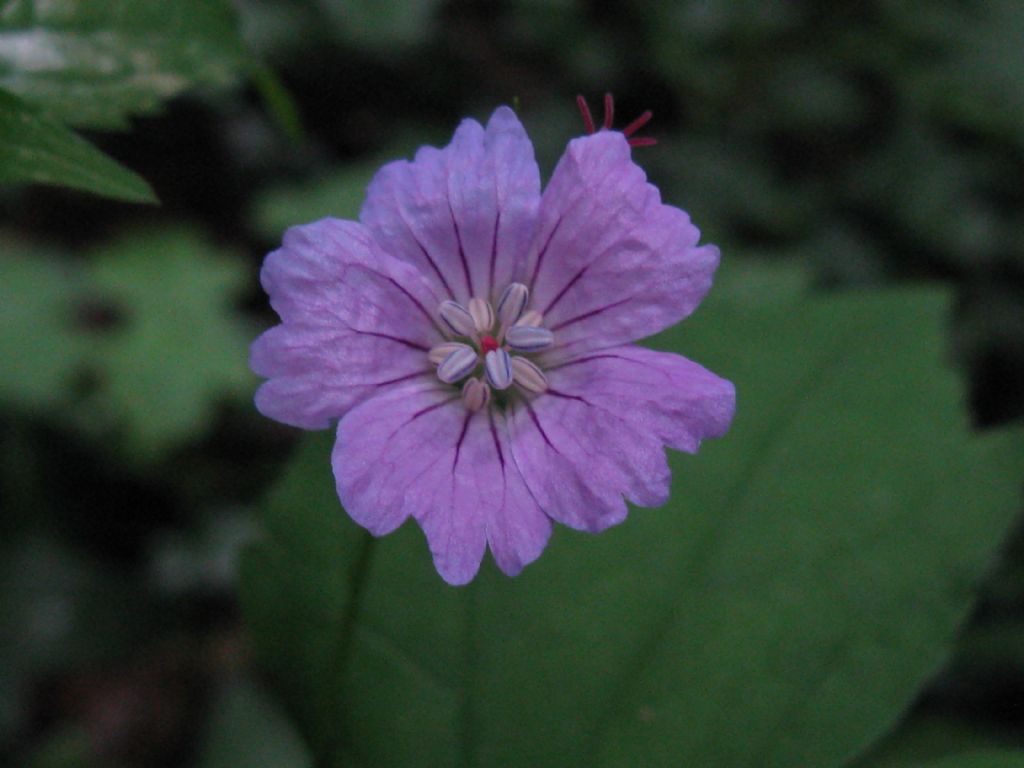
[
  {"x": 458, "y": 365},
  {"x": 588, "y": 119},
  {"x": 637, "y": 124},
  {"x": 531, "y": 317},
  {"x": 511, "y": 304},
  {"x": 437, "y": 354},
  {"x": 498, "y": 367},
  {"x": 529, "y": 376},
  {"x": 457, "y": 318},
  {"x": 483, "y": 315},
  {"x": 475, "y": 395},
  {"x": 609, "y": 119},
  {"x": 529, "y": 338}
]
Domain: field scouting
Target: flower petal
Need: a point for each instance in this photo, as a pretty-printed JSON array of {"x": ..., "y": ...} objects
[
  {"x": 333, "y": 273},
  {"x": 611, "y": 263},
  {"x": 414, "y": 451},
  {"x": 673, "y": 398},
  {"x": 316, "y": 374},
  {"x": 579, "y": 460},
  {"x": 354, "y": 320},
  {"x": 463, "y": 215}
]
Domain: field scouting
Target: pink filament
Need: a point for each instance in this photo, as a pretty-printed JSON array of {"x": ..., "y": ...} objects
[{"x": 588, "y": 120}]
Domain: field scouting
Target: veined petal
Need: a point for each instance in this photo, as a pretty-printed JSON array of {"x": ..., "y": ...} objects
[
  {"x": 673, "y": 398},
  {"x": 611, "y": 263},
  {"x": 463, "y": 215},
  {"x": 417, "y": 452},
  {"x": 316, "y": 374},
  {"x": 579, "y": 460},
  {"x": 354, "y": 320},
  {"x": 332, "y": 273}
]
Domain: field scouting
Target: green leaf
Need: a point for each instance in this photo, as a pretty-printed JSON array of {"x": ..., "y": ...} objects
[
  {"x": 247, "y": 730},
  {"x": 39, "y": 298},
  {"x": 806, "y": 579},
  {"x": 36, "y": 149},
  {"x": 96, "y": 64},
  {"x": 178, "y": 347}
]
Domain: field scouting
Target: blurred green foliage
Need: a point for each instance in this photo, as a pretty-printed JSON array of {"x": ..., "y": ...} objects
[
  {"x": 801, "y": 601},
  {"x": 93, "y": 65}
]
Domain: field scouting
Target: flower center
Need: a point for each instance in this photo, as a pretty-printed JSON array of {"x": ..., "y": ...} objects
[
  {"x": 488, "y": 347},
  {"x": 488, "y": 344}
]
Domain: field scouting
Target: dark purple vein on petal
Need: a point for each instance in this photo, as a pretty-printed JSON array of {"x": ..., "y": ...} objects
[
  {"x": 565, "y": 290},
  {"x": 543, "y": 251},
  {"x": 494, "y": 257},
  {"x": 536, "y": 423},
  {"x": 396, "y": 339},
  {"x": 462, "y": 252},
  {"x": 420, "y": 412},
  {"x": 587, "y": 359},
  {"x": 591, "y": 313},
  {"x": 462, "y": 437},
  {"x": 497, "y": 442},
  {"x": 430, "y": 260},
  {"x": 417, "y": 302}
]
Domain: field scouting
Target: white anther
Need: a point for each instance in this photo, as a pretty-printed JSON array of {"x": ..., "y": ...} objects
[
  {"x": 457, "y": 318},
  {"x": 437, "y": 354},
  {"x": 498, "y": 367},
  {"x": 475, "y": 394},
  {"x": 529, "y": 338},
  {"x": 512, "y": 303},
  {"x": 459, "y": 364},
  {"x": 483, "y": 315},
  {"x": 531, "y": 317},
  {"x": 529, "y": 376}
]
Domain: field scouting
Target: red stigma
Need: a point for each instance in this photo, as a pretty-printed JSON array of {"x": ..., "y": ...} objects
[
  {"x": 488, "y": 344},
  {"x": 609, "y": 117}
]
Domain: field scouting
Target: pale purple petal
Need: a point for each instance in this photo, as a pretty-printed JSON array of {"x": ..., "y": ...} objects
[
  {"x": 611, "y": 263},
  {"x": 676, "y": 400},
  {"x": 464, "y": 215},
  {"x": 579, "y": 460},
  {"x": 414, "y": 451},
  {"x": 354, "y": 320},
  {"x": 517, "y": 180},
  {"x": 315, "y": 374}
]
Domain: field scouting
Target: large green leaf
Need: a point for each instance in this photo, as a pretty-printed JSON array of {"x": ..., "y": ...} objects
[
  {"x": 36, "y": 149},
  {"x": 806, "y": 579},
  {"x": 94, "y": 64},
  {"x": 178, "y": 346}
]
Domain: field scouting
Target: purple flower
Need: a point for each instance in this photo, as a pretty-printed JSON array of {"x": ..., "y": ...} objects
[{"x": 474, "y": 337}]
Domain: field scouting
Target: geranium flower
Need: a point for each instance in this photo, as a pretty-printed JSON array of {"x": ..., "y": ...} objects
[{"x": 474, "y": 337}]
